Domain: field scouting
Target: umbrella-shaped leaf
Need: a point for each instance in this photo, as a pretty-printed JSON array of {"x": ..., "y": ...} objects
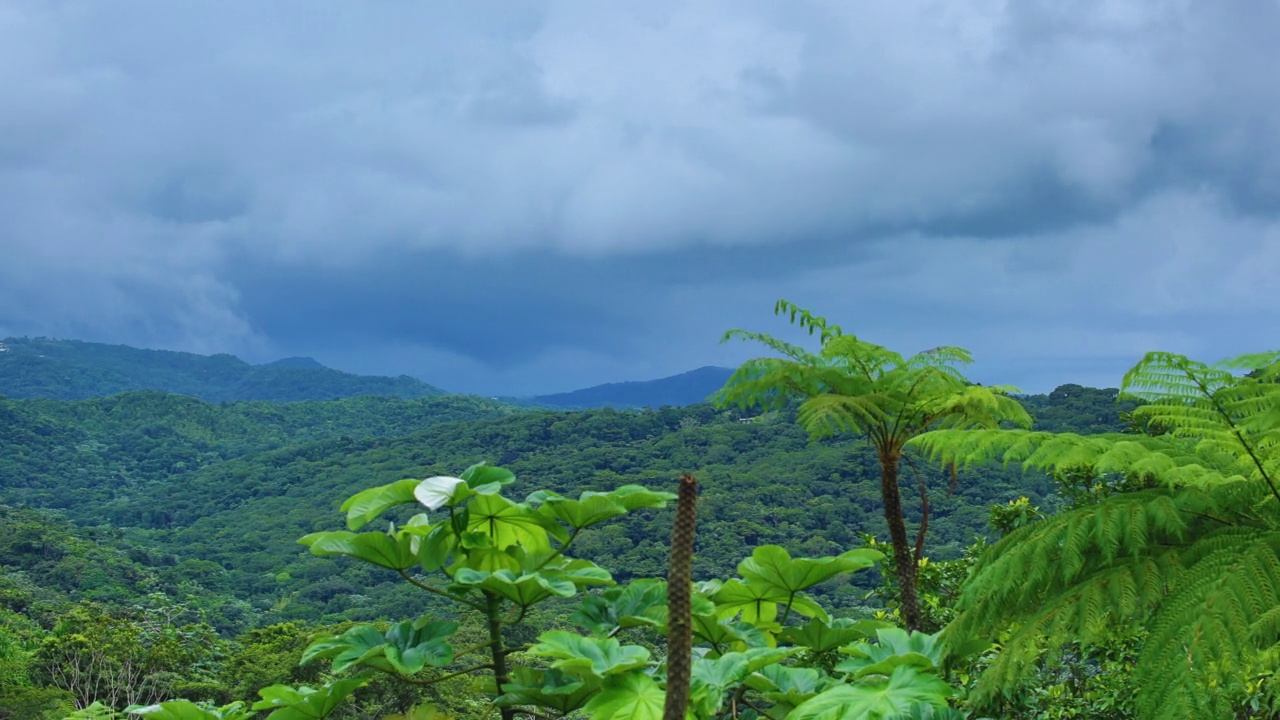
[
  {"x": 895, "y": 696},
  {"x": 635, "y": 497},
  {"x": 372, "y": 547},
  {"x": 722, "y": 633},
  {"x": 788, "y": 686},
  {"x": 578, "y": 655},
  {"x": 756, "y": 602},
  {"x": 306, "y": 703},
  {"x": 436, "y": 492},
  {"x": 359, "y": 645},
  {"x": 491, "y": 560},
  {"x": 436, "y": 546},
  {"x": 634, "y": 696},
  {"x": 486, "y": 476},
  {"x": 509, "y": 523},
  {"x": 185, "y": 710},
  {"x": 820, "y": 636},
  {"x": 733, "y": 667},
  {"x": 522, "y": 590},
  {"x": 365, "y": 506},
  {"x": 895, "y": 648},
  {"x": 547, "y": 688},
  {"x": 774, "y": 566},
  {"x": 591, "y": 509},
  {"x": 413, "y": 646}
]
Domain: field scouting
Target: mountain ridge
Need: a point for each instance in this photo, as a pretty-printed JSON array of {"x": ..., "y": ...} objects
[
  {"x": 687, "y": 388},
  {"x": 78, "y": 370}
]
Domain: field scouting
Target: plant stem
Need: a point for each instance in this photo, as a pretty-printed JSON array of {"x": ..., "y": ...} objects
[
  {"x": 493, "y": 614},
  {"x": 680, "y": 601}
]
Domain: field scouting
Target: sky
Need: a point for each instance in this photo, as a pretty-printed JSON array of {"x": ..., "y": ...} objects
[{"x": 523, "y": 197}]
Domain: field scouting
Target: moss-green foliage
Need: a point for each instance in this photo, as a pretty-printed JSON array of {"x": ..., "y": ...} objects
[
  {"x": 1193, "y": 555},
  {"x": 71, "y": 369}
]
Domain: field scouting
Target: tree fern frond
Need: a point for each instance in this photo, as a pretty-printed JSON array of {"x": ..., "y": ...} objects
[
  {"x": 1082, "y": 612},
  {"x": 1169, "y": 460},
  {"x": 795, "y": 352},
  {"x": 1204, "y": 633},
  {"x": 944, "y": 356},
  {"x": 1263, "y": 361},
  {"x": 1037, "y": 561},
  {"x": 827, "y": 415},
  {"x": 807, "y": 320}
]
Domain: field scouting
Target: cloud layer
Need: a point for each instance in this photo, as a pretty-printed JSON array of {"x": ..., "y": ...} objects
[{"x": 526, "y": 198}]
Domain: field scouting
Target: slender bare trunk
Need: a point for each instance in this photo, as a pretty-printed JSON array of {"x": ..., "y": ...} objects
[
  {"x": 903, "y": 557},
  {"x": 680, "y": 601}
]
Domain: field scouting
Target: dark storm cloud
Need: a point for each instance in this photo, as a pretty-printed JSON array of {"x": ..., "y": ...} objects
[{"x": 545, "y": 195}]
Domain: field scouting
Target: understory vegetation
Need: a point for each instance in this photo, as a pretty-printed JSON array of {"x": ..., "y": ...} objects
[{"x": 874, "y": 537}]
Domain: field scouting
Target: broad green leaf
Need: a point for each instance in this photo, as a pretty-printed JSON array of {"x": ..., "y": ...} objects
[
  {"x": 372, "y": 547},
  {"x": 634, "y": 696},
  {"x": 547, "y": 688},
  {"x": 365, "y": 506},
  {"x": 774, "y": 566},
  {"x": 520, "y": 589},
  {"x": 358, "y": 645},
  {"x": 438, "y": 545},
  {"x": 508, "y": 523},
  {"x": 733, "y": 667},
  {"x": 635, "y": 497},
  {"x": 592, "y": 509},
  {"x": 306, "y": 703},
  {"x": 820, "y": 636},
  {"x": 894, "y": 648},
  {"x": 640, "y": 602},
  {"x": 759, "y": 603},
  {"x": 412, "y": 646},
  {"x": 899, "y": 694},
  {"x": 787, "y": 687},
  {"x": 579, "y": 656},
  {"x": 185, "y": 710},
  {"x": 482, "y": 475},
  {"x": 490, "y": 560},
  {"x": 722, "y": 633},
  {"x": 436, "y": 492}
]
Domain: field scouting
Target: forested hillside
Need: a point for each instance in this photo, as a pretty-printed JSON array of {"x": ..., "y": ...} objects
[
  {"x": 149, "y": 502},
  {"x": 71, "y": 370},
  {"x": 237, "y": 484}
]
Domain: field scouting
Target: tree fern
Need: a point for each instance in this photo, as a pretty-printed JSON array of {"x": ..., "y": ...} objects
[
  {"x": 1195, "y": 556},
  {"x": 854, "y": 386}
]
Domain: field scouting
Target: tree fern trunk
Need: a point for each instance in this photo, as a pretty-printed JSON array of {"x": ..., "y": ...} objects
[
  {"x": 903, "y": 555},
  {"x": 680, "y": 601}
]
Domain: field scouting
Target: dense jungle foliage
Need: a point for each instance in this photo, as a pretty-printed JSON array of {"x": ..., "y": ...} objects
[{"x": 149, "y": 551}]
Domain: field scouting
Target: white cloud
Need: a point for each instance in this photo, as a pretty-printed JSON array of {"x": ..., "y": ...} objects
[{"x": 1084, "y": 169}]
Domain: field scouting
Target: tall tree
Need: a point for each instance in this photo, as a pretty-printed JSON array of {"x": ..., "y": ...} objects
[
  {"x": 851, "y": 385},
  {"x": 1187, "y": 544}
]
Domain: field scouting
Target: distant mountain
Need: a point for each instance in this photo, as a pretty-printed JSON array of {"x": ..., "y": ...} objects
[
  {"x": 298, "y": 362},
  {"x": 678, "y": 390},
  {"x": 74, "y": 370}
]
